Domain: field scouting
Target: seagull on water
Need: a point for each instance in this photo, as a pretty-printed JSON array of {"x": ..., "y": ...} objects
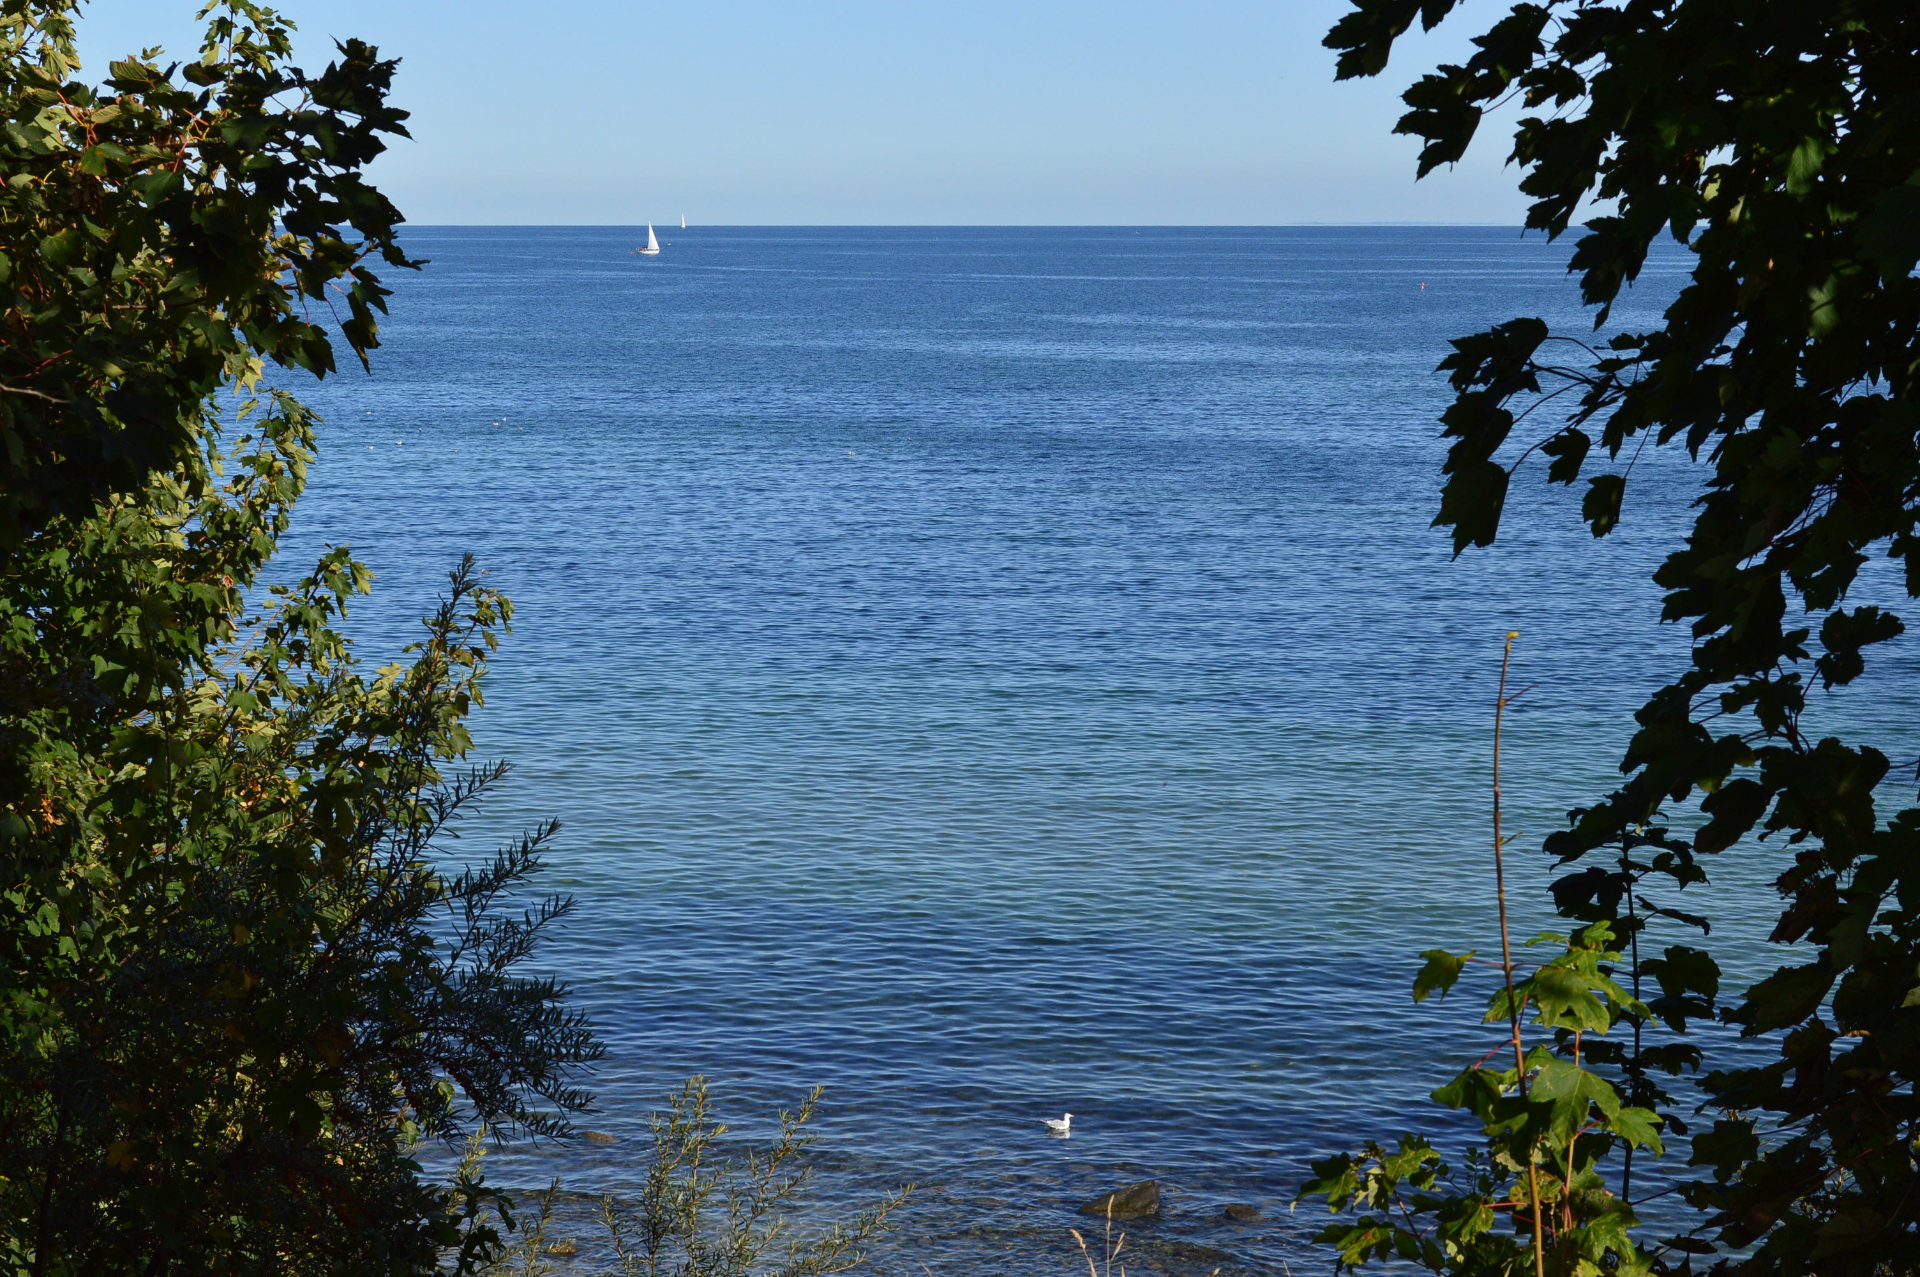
[{"x": 1059, "y": 1125}]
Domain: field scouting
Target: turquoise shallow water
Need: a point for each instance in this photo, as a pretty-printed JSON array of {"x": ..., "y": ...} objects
[{"x": 999, "y": 672}]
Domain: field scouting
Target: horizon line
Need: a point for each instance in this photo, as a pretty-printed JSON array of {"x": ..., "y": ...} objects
[{"x": 978, "y": 226}]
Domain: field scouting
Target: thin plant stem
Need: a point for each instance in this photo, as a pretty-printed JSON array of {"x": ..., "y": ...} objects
[
  {"x": 1085, "y": 1253},
  {"x": 1566, "y": 1198},
  {"x": 1638, "y": 1073},
  {"x": 1506, "y": 955}
]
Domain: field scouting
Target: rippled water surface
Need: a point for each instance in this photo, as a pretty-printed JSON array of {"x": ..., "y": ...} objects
[{"x": 998, "y": 672}]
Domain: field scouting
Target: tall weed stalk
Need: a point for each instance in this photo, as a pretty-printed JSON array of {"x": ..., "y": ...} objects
[
  {"x": 704, "y": 1209},
  {"x": 1533, "y": 1191}
]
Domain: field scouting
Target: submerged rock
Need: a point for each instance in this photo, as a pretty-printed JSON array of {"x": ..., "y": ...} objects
[
  {"x": 1241, "y": 1212},
  {"x": 596, "y": 1137},
  {"x": 1135, "y": 1201},
  {"x": 1183, "y": 1259},
  {"x": 563, "y": 1248}
]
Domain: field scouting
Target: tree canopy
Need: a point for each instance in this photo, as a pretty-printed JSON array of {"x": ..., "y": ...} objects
[
  {"x": 1780, "y": 144},
  {"x": 164, "y": 232}
]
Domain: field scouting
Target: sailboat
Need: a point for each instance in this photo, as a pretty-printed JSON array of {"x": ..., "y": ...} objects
[
  {"x": 653, "y": 245},
  {"x": 683, "y": 221}
]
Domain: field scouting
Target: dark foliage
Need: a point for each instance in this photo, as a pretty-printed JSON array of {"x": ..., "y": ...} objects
[{"x": 1780, "y": 143}]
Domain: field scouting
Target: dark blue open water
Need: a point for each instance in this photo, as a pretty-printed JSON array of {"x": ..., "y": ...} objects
[{"x": 1000, "y": 672}]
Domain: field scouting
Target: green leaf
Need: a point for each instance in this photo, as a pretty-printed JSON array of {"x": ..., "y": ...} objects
[
  {"x": 1564, "y": 1000},
  {"x": 1890, "y": 232},
  {"x": 1474, "y": 496},
  {"x": 1787, "y": 997},
  {"x": 1601, "y": 508},
  {"x": 1440, "y": 972},
  {"x": 1569, "y": 452},
  {"x": 1804, "y": 164},
  {"x": 1844, "y": 633},
  {"x": 1639, "y": 1127},
  {"x": 156, "y": 186},
  {"x": 1734, "y": 807},
  {"x": 1571, "y": 1094},
  {"x": 1727, "y": 1146}
]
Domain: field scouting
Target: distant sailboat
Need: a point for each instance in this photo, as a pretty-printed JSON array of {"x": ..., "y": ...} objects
[
  {"x": 653, "y": 245},
  {"x": 683, "y": 221}
]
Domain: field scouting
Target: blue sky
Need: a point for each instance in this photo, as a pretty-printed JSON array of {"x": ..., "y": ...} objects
[{"x": 1146, "y": 112}]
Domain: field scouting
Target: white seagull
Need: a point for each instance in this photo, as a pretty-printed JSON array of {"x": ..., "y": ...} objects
[{"x": 1059, "y": 1125}]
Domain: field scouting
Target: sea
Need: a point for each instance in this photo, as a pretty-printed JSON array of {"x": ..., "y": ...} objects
[{"x": 991, "y": 673}]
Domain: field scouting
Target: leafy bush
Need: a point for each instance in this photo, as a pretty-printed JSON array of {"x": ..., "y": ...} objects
[{"x": 236, "y": 986}]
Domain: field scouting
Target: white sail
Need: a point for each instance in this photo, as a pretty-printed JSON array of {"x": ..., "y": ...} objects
[
  {"x": 683, "y": 221},
  {"x": 653, "y": 245}
]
